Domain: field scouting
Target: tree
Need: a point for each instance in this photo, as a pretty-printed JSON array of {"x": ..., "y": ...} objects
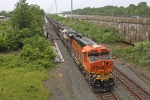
[
  {"x": 27, "y": 21},
  {"x": 7, "y": 14},
  {"x": 3, "y": 13},
  {"x": 141, "y": 9},
  {"x": 22, "y": 16},
  {"x": 37, "y": 14}
]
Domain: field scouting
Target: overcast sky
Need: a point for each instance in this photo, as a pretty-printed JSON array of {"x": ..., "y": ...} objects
[{"x": 65, "y": 5}]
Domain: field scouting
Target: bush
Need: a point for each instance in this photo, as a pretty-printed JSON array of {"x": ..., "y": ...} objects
[
  {"x": 38, "y": 51},
  {"x": 117, "y": 52},
  {"x": 139, "y": 54}
]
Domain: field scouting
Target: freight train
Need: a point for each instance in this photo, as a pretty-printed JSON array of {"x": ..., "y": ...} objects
[{"x": 93, "y": 59}]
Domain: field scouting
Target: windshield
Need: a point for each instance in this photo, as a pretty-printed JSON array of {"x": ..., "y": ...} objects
[
  {"x": 104, "y": 53},
  {"x": 93, "y": 53}
]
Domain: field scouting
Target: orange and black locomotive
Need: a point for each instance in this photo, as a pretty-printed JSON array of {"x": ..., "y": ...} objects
[{"x": 93, "y": 59}]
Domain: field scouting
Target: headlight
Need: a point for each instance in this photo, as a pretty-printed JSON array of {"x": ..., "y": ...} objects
[{"x": 98, "y": 76}]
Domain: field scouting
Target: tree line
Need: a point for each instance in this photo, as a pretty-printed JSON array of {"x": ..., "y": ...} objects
[
  {"x": 6, "y": 14},
  {"x": 142, "y": 9}
]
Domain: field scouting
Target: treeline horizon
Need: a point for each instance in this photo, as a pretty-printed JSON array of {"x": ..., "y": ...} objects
[{"x": 141, "y": 9}]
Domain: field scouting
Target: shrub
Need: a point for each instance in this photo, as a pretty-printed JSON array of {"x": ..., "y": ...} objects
[
  {"x": 117, "y": 52},
  {"x": 38, "y": 50},
  {"x": 138, "y": 54}
]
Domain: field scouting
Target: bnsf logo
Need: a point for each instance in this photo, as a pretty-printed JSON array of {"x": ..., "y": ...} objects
[{"x": 96, "y": 67}]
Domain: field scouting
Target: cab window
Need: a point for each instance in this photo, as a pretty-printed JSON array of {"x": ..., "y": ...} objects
[
  {"x": 104, "y": 53},
  {"x": 93, "y": 54},
  {"x": 85, "y": 53}
]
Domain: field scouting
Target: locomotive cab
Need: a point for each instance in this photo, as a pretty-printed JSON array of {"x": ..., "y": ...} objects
[{"x": 99, "y": 65}]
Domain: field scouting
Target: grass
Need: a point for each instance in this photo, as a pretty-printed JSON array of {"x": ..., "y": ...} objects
[{"x": 22, "y": 83}]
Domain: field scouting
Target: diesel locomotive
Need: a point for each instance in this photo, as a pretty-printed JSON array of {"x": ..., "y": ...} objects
[{"x": 93, "y": 59}]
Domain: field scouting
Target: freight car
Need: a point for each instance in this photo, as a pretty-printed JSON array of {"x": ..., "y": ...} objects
[
  {"x": 93, "y": 59},
  {"x": 55, "y": 24}
]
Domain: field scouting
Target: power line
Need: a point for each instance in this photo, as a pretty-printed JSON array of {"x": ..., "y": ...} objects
[
  {"x": 61, "y": 3},
  {"x": 56, "y": 6},
  {"x": 62, "y": 6}
]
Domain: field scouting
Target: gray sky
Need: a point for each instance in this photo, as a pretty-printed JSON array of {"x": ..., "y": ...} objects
[{"x": 49, "y": 5}]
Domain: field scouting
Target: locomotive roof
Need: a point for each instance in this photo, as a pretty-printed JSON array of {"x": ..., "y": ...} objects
[
  {"x": 80, "y": 39},
  {"x": 83, "y": 41},
  {"x": 68, "y": 31},
  {"x": 64, "y": 27},
  {"x": 71, "y": 33}
]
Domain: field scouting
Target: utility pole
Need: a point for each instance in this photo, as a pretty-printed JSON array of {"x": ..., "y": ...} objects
[
  {"x": 51, "y": 9},
  {"x": 81, "y": 9},
  {"x": 56, "y": 7},
  {"x": 71, "y": 10},
  {"x": 112, "y": 6}
]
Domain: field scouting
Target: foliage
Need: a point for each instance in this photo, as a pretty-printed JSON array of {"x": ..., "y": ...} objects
[
  {"x": 38, "y": 49},
  {"x": 96, "y": 33},
  {"x": 117, "y": 52},
  {"x": 22, "y": 74},
  {"x": 22, "y": 16},
  {"x": 141, "y": 9},
  {"x": 12, "y": 39},
  {"x": 138, "y": 54},
  {"x": 25, "y": 15},
  {"x": 6, "y": 14},
  {"x": 4, "y": 25},
  {"x": 22, "y": 84}
]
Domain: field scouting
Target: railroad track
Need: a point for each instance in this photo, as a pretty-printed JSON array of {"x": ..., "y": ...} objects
[
  {"x": 132, "y": 87},
  {"x": 107, "y": 96}
]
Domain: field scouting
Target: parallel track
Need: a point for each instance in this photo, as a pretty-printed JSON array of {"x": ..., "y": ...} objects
[
  {"x": 107, "y": 96},
  {"x": 132, "y": 87}
]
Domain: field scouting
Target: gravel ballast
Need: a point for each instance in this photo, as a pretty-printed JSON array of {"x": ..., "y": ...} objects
[{"x": 67, "y": 83}]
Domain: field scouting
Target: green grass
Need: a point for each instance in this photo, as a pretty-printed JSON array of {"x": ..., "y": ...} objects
[{"x": 21, "y": 83}]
